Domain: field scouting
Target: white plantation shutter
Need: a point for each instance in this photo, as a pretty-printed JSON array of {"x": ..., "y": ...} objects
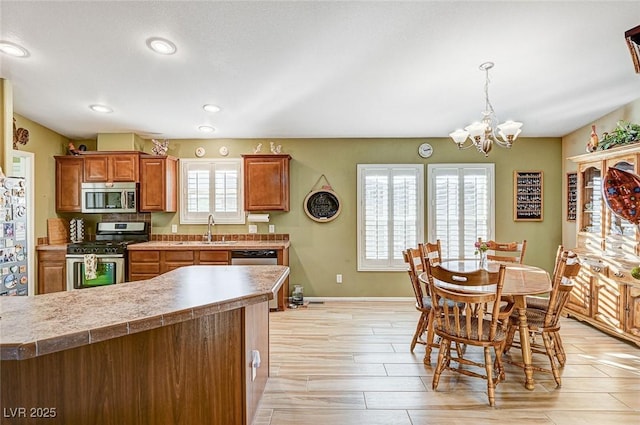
[
  {"x": 197, "y": 179},
  {"x": 227, "y": 188},
  {"x": 390, "y": 213},
  {"x": 211, "y": 187},
  {"x": 461, "y": 207}
]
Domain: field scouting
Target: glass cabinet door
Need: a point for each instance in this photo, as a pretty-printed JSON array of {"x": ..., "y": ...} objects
[
  {"x": 618, "y": 225},
  {"x": 621, "y": 233},
  {"x": 592, "y": 201}
]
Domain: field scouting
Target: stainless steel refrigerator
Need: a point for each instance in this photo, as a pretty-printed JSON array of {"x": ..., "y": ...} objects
[{"x": 13, "y": 237}]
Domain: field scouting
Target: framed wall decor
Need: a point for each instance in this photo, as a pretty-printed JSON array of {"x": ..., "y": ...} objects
[
  {"x": 572, "y": 196},
  {"x": 528, "y": 202},
  {"x": 322, "y": 205}
]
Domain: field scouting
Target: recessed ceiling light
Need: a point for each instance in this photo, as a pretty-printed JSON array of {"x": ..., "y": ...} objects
[
  {"x": 211, "y": 108},
  {"x": 161, "y": 46},
  {"x": 13, "y": 49},
  {"x": 100, "y": 108},
  {"x": 206, "y": 129}
]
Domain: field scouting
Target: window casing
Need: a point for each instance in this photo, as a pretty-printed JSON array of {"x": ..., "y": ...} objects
[
  {"x": 211, "y": 186},
  {"x": 461, "y": 207},
  {"x": 390, "y": 214}
]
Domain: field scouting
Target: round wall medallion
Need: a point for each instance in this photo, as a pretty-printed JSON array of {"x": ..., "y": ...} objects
[
  {"x": 200, "y": 152},
  {"x": 224, "y": 151},
  {"x": 322, "y": 205}
]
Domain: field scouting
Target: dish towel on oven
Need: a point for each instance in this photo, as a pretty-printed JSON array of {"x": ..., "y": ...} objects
[{"x": 90, "y": 263}]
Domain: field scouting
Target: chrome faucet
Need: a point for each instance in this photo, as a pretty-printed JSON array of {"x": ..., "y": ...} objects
[{"x": 210, "y": 225}]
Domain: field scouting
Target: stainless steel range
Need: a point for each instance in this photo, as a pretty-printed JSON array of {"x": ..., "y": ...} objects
[{"x": 103, "y": 261}]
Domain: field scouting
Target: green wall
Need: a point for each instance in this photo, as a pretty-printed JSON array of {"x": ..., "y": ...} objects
[
  {"x": 319, "y": 251},
  {"x": 44, "y": 143}
]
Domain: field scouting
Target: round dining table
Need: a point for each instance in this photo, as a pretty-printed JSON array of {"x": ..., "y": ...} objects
[{"x": 520, "y": 280}]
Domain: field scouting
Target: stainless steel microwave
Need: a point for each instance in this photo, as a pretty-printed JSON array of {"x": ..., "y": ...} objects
[{"x": 109, "y": 197}]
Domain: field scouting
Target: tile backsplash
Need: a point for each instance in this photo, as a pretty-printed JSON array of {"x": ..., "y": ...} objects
[{"x": 227, "y": 237}]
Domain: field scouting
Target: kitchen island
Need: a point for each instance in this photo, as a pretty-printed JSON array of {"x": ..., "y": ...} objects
[{"x": 187, "y": 347}]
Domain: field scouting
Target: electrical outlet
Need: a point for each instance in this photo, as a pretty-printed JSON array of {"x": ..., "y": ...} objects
[
  {"x": 272, "y": 228},
  {"x": 253, "y": 228},
  {"x": 338, "y": 278},
  {"x": 174, "y": 228}
]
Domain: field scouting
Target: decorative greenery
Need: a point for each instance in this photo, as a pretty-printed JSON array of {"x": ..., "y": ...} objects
[{"x": 623, "y": 134}]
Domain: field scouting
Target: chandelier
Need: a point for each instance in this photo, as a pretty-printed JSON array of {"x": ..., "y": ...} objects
[{"x": 482, "y": 134}]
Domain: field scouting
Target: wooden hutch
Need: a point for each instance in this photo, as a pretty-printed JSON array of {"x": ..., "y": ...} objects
[{"x": 606, "y": 295}]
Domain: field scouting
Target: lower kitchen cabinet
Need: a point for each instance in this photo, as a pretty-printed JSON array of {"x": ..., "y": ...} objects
[
  {"x": 217, "y": 258},
  {"x": 580, "y": 296},
  {"x": 607, "y": 297},
  {"x": 52, "y": 271},
  {"x": 170, "y": 260},
  {"x": 145, "y": 264},
  {"x": 632, "y": 311},
  {"x": 608, "y": 302}
]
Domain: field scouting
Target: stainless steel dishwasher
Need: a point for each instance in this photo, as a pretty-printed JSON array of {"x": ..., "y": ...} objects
[{"x": 248, "y": 257}]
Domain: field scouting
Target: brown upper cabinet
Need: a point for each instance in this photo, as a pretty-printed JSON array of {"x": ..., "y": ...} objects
[
  {"x": 158, "y": 184},
  {"x": 69, "y": 173},
  {"x": 266, "y": 182},
  {"x": 111, "y": 167}
]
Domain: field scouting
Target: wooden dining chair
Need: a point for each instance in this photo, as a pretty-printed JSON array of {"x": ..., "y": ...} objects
[
  {"x": 461, "y": 316},
  {"x": 512, "y": 252},
  {"x": 571, "y": 263},
  {"x": 431, "y": 251},
  {"x": 424, "y": 331},
  {"x": 546, "y": 323},
  {"x": 541, "y": 302}
]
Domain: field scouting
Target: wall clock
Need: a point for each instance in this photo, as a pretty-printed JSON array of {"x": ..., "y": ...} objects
[{"x": 425, "y": 150}]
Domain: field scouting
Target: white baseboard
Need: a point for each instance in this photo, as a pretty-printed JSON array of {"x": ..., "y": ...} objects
[{"x": 355, "y": 299}]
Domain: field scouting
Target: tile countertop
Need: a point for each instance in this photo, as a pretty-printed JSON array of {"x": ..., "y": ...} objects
[
  {"x": 217, "y": 245},
  {"x": 38, "y": 325}
]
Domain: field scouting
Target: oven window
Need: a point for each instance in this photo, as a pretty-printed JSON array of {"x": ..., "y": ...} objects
[{"x": 105, "y": 274}]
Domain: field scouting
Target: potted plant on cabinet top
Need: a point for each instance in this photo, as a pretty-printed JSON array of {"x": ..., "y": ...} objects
[{"x": 624, "y": 134}]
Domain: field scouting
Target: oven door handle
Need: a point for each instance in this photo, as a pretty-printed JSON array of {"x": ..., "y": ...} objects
[
  {"x": 77, "y": 278},
  {"x": 99, "y": 256}
]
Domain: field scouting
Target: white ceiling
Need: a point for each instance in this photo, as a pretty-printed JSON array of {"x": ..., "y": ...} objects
[{"x": 317, "y": 68}]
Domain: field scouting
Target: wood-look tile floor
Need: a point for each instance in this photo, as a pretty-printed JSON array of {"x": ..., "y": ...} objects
[{"x": 343, "y": 363}]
